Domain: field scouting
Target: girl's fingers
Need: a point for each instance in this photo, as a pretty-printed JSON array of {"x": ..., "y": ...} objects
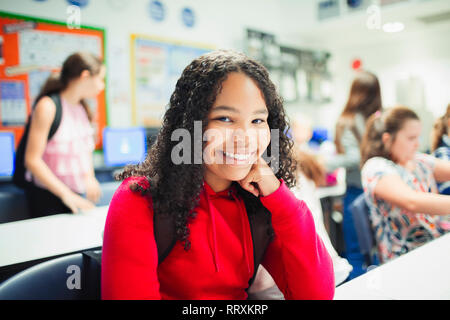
[
  {"x": 250, "y": 188},
  {"x": 87, "y": 205},
  {"x": 246, "y": 184},
  {"x": 73, "y": 208}
]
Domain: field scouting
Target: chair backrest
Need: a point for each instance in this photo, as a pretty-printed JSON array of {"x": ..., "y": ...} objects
[
  {"x": 360, "y": 214},
  {"x": 13, "y": 205},
  {"x": 72, "y": 277}
]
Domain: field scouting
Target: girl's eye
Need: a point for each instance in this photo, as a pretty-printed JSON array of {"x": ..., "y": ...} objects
[
  {"x": 223, "y": 119},
  {"x": 258, "y": 121}
]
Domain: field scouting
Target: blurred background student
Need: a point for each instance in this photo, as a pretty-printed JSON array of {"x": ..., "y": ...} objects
[
  {"x": 61, "y": 169},
  {"x": 440, "y": 144},
  {"x": 311, "y": 174},
  {"x": 400, "y": 184},
  {"x": 364, "y": 99}
]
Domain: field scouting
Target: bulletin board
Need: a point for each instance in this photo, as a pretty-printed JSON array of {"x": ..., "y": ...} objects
[
  {"x": 156, "y": 65},
  {"x": 32, "y": 48}
]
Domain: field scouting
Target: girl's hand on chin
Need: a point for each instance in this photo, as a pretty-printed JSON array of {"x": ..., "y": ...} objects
[{"x": 260, "y": 181}]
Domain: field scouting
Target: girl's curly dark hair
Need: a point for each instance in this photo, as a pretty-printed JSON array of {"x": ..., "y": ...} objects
[{"x": 175, "y": 188}]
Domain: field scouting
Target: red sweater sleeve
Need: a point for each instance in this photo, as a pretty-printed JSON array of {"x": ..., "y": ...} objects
[
  {"x": 130, "y": 256},
  {"x": 297, "y": 259}
]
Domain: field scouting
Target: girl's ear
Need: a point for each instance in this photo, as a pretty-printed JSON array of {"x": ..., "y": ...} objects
[
  {"x": 386, "y": 139},
  {"x": 85, "y": 74}
]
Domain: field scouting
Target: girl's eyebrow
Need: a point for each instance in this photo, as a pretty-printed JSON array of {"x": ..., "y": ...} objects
[{"x": 234, "y": 110}]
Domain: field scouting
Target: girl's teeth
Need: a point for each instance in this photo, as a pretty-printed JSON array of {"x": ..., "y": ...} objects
[{"x": 237, "y": 156}]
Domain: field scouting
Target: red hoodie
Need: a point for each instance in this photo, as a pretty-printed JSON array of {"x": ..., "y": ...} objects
[{"x": 219, "y": 263}]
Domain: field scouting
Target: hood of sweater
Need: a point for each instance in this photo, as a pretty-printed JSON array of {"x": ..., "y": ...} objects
[{"x": 211, "y": 199}]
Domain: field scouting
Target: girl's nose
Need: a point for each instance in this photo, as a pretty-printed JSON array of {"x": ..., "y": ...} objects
[
  {"x": 241, "y": 137},
  {"x": 247, "y": 139}
]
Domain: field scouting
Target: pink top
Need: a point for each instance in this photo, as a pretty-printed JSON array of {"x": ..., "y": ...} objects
[{"x": 69, "y": 152}]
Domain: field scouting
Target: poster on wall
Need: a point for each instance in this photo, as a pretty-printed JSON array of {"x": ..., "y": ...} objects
[
  {"x": 13, "y": 103},
  {"x": 30, "y": 50},
  {"x": 156, "y": 66}
]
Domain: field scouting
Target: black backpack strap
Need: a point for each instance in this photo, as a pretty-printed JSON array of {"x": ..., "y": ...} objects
[
  {"x": 19, "y": 161},
  {"x": 58, "y": 115},
  {"x": 164, "y": 231},
  {"x": 261, "y": 235}
]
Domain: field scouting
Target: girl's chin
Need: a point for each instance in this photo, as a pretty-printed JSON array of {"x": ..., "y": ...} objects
[{"x": 236, "y": 174}]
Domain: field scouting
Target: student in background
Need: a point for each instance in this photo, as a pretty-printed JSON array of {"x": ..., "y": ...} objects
[
  {"x": 311, "y": 175},
  {"x": 400, "y": 184},
  {"x": 209, "y": 202},
  {"x": 61, "y": 169},
  {"x": 440, "y": 145},
  {"x": 363, "y": 101}
]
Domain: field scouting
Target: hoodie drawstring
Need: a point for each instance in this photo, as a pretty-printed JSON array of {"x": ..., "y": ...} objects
[
  {"x": 244, "y": 220},
  {"x": 213, "y": 225}
]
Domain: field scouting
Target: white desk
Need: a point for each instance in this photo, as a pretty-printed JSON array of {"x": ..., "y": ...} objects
[
  {"x": 33, "y": 239},
  {"x": 423, "y": 273}
]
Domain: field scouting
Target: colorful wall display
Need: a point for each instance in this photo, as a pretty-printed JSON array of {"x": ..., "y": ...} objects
[
  {"x": 30, "y": 50},
  {"x": 156, "y": 65}
]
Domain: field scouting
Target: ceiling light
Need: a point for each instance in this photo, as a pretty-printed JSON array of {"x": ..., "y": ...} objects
[{"x": 393, "y": 27}]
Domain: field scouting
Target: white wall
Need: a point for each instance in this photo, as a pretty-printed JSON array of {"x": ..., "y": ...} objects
[
  {"x": 421, "y": 52},
  {"x": 426, "y": 59},
  {"x": 218, "y": 23}
]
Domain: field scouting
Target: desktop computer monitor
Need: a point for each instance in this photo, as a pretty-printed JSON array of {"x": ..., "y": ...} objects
[
  {"x": 123, "y": 146},
  {"x": 7, "y": 154}
]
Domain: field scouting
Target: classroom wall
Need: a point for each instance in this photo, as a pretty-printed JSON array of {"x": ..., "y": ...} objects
[
  {"x": 415, "y": 59},
  {"x": 218, "y": 23},
  {"x": 414, "y": 73}
]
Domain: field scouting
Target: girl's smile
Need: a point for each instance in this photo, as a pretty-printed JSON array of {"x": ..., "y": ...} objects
[{"x": 237, "y": 158}]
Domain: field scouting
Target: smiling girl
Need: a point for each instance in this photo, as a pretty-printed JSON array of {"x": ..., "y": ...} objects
[
  {"x": 210, "y": 205},
  {"x": 400, "y": 184}
]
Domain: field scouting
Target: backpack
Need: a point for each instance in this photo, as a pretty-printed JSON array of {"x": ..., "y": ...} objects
[
  {"x": 165, "y": 238},
  {"x": 19, "y": 161}
]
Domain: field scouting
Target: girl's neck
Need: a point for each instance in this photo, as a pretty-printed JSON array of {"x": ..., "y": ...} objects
[
  {"x": 216, "y": 183},
  {"x": 71, "y": 95},
  {"x": 408, "y": 165}
]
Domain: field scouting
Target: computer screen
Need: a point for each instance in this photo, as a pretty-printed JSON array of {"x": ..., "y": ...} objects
[
  {"x": 122, "y": 146},
  {"x": 7, "y": 154}
]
